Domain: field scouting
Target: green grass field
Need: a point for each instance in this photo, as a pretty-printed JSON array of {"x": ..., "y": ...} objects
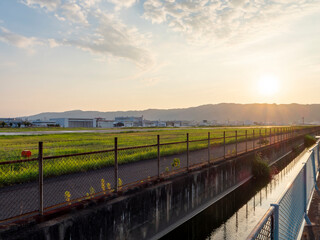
[{"x": 71, "y": 143}]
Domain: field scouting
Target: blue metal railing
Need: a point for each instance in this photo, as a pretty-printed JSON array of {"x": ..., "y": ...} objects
[{"x": 285, "y": 218}]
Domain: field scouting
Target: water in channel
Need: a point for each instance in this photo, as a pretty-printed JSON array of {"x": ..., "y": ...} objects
[{"x": 235, "y": 216}]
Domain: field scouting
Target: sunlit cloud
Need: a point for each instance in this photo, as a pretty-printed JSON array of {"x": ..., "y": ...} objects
[
  {"x": 123, "y": 4},
  {"x": 213, "y": 21},
  {"x": 18, "y": 40},
  {"x": 104, "y": 34},
  {"x": 50, "y": 5}
]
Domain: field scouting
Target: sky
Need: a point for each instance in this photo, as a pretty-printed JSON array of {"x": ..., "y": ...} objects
[{"x": 110, "y": 55}]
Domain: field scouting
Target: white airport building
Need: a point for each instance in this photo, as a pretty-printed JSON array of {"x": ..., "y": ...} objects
[{"x": 75, "y": 122}]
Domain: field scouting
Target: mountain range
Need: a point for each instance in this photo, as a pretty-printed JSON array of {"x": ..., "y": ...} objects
[{"x": 278, "y": 113}]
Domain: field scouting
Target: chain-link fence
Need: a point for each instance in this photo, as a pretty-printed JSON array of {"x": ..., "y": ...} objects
[{"x": 66, "y": 172}]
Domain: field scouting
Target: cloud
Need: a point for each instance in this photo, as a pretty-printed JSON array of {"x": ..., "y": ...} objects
[
  {"x": 74, "y": 13},
  {"x": 89, "y": 3},
  {"x": 50, "y": 5},
  {"x": 233, "y": 20},
  {"x": 97, "y": 30},
  {"x": 123, "y": 3},
  {"x": 113, "y": 38},
  {"x": 18, "y": 40}
]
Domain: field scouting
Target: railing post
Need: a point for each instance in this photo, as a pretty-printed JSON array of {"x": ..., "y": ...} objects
[
  {"x": 208, "y": 147},
  {"x": 40, "y": 162},
  {"x": 305, "y": 188},
  {"x": 188, "y": 151},
  {"x": 236, "y": 136},
  {"x": 224, "y": 144},
  {"x": 246, "y": 140},
  {"x": 260, "y": 137},
  {"x": 266, "y": 134},
  {"x": 275, "y": 222},
  {"x": 270, "y": 136},
  {"x": 116, "y": 164},
  {"x": 253, "y": 139},
  {"x": 158, "y": 151}
]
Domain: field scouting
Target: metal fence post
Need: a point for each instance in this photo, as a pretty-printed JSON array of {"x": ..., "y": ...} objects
[
  {"x": 224, "y": 144},
  {"x": 270, "y": 136},
  {"x": 208, "y": 147},
  {"x": 116, "y": 164},
  {"x": 236, "y": 136},
  {"x": 260, "y": 137},
  {"x": 275, "y": 221},
  {"x": 188, "y": 151},
  {"x": 253, "y": 139},
  {"x": 40, "y": 162},
  {"x": 246, "y": 140},
  {"x": 158, "y": 150}
]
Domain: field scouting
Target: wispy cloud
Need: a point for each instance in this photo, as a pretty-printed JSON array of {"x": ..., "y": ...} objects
[
  {"x": 50, "y": 5},
  {"x": 74, "y": 13},
  {"x": 212, "y": 21},
  {"x": 18, "y": 40},
  {"x": 123, "y": 3},
  {"x": 99, "y": 32},
  {"x": 112, "y": 37}
]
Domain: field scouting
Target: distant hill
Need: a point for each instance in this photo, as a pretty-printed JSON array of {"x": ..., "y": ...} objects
[{"x": 280, "y": 113}]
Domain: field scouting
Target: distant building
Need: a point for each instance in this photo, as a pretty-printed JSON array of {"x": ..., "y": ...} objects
[
  {"x": 75, "y": 122},
  {"x": 103, "y": 123},
  {"x": 130, "y": 121},
  {"x": 39, "y": 123},
  {"x": 147, "y": 123},
  {"x": 173, "y": 124}
]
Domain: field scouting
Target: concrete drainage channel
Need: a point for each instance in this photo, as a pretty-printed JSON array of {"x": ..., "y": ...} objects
[{"x": 149, "y": 211}]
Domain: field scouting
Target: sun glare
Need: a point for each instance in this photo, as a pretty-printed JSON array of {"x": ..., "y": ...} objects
[{"x": 268, "y": 85}]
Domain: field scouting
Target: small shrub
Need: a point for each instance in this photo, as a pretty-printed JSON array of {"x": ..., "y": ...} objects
[
  {"x": 67, "y": 196},
  {"x": 108, "y": 186},
  {"x": 92, "y": 191},
  {"x": 309, "y": 140},
  {"x": 167, "y": 169},
  {"x": 120, "y": 183},
  {"x": 175, "y": 163},
  {"x": 260, "y": 168},
  {"x": 103, "y": 186}
]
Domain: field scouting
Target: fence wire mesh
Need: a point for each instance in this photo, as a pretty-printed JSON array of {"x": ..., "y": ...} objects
[
  {"x": 77, "y": 169},
  {"x": 17, "y": 199},
  {"x": 265, "y": 233},
  {"x": 71, "y": 178},
  {"x": 136, "y": 165}
]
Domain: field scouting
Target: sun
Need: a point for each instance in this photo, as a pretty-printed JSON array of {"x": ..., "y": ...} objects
[{"x": 268, "y": 85}]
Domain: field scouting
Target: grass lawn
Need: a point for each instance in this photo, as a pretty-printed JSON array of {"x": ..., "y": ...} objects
[{"x": 71, "y": 143}]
